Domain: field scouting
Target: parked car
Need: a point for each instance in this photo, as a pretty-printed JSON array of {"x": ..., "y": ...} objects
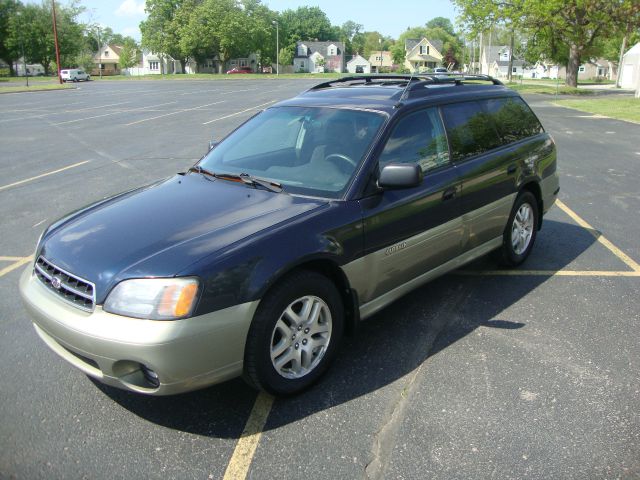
[
  {"x": 240, "y": 70},
  {"x": 307, "y": 219},
  {"x": 440, "y": 70},
  {"x": 74, "y": 75}
]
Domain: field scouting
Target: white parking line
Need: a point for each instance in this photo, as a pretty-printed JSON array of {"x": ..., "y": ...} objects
[
  {"x": 173, "y": 113},
  {"x": 112, "y": 113},
  {"x": 43, "y": 175},
  {"x": 238, "y": 113},
  {"x": 42, "y": 115}
]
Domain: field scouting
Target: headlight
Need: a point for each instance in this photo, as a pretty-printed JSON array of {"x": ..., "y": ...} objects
[{"x": 153, "y": 298}]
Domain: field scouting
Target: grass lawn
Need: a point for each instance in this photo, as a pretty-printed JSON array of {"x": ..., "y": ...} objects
[
  {"x": 33, "y": 88},
  {"x": 620, "y": 107},
  {"x": 548, "y": 89}
]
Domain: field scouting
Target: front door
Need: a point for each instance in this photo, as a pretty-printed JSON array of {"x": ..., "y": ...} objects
[{"x": 412, "y": 231}]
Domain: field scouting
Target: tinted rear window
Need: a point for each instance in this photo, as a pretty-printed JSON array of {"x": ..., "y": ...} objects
[
  {"x": 513, "y": 118},
  {"x": 470, "y": 129}
]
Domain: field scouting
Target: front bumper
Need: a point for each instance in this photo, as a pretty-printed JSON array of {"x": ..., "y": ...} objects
[{"x": 185, "y": 354}]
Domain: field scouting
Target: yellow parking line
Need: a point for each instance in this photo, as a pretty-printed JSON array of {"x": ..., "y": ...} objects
[
  {"x": 15, "y": 265},
  {"x": 10, "y": 259},
  {"x": 599, "y": 237},
  {"x": 248, "y": 442},
  {"x": 547, "y": 273},
  {"x": 43, "y": 175}
]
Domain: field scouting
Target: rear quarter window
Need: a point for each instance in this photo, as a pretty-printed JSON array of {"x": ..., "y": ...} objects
[
  {"x": 470, "y": 129},
  {"x": 513, "y": 118}
]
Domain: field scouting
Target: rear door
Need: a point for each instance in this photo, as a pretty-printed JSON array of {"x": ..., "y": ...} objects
[
  {"x": 409, "y": 232},
  {"x": 485, "y": 168}
]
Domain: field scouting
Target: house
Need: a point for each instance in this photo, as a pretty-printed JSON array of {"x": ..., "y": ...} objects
[
  {"x": 500, "y": 68},
  {"x": 33, "y": 69},
  {"x": 318, "y": 57},
  {"x": 381, "y": 60},
  {"x": 630, "y": 72},
  {"x": 491, "y": 54},
  {"x": 597, "y": 69},
  {"x": 422, "y": 54},
  {"x": 358, "y": 64},
  {"x": 250, "y": 61},
  {"x": 106, "y": 61}
]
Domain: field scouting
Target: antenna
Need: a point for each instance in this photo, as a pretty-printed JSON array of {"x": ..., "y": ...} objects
[{"x": 405, "y": 91}]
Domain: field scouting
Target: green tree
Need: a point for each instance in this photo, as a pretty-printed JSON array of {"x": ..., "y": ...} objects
[
  {"x": 128, "y": 54},
  {"x": 164, "y": 27},
  {"x": 34, "y": 28},
  {"x": 8, "y": 52},
  {"x": 559, "y": 29}
]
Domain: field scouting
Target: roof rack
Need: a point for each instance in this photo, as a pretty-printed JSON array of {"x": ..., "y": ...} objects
[{"x": 416, "y": 81}]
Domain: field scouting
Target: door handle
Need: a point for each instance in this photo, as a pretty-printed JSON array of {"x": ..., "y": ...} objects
[
  {"x": 448, "y": 194},
  {"x": 511, "y": 168}
]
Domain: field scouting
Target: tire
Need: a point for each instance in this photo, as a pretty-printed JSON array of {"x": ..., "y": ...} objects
[
  {"x": 521, "y": 230},
  {"x": 294, "y": 335}
]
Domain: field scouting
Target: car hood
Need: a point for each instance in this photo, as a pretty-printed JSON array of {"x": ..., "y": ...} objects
[{"x": 160, "y": 230}]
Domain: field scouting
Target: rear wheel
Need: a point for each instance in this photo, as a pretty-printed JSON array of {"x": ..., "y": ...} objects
[
  {"x": 294, "y": 335},
  {"x": 520, "y": 233}
]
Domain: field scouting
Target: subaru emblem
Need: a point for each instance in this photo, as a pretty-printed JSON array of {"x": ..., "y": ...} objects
[{"x": 56, "y": 283}]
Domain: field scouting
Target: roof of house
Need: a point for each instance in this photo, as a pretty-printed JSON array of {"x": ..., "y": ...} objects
[
  {"x": 320, "y": 47},
  {"x": 505, "y": 63},
  {"x": 410, "y": 43},
  {"x": 358, "y": 58},
  {"x": 635, "y": 50},
  {"x": 493, "y": 52}
]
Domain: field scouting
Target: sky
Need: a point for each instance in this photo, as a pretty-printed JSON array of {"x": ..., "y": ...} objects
[{"x": 124, "y": 16}]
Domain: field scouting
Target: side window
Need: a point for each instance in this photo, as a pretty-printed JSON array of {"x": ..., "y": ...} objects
[
  {"x": 470, "y": 130},
  {"x": 417, "y": 138},
  {"x": 513, "y": 118}
]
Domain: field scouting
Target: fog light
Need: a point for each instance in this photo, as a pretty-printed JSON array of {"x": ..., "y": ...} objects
[{"x": 150, "y": 376}]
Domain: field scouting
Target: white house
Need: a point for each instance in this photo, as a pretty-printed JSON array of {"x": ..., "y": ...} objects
[
  {"x": 358, "y": 64},
  {"x": 630, "y": 72},
  {"x": 318, "y": 57},
  {"x": 33, "y": 69}
]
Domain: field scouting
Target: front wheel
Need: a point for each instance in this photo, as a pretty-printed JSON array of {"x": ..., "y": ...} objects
[
  {"x": 294, "y": 335},
  {"x": 520, "y": 232}
]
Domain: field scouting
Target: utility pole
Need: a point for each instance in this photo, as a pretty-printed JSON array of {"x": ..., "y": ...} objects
[
  {"x": 275, "y": 22},
  {"x": 55, "y": 37},
  {"x": 24, "y": 60}
]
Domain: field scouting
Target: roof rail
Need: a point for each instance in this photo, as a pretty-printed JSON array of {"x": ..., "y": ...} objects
[{"x": 417, "y": 80}]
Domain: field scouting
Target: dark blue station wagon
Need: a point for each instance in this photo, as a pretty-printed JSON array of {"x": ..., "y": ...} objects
[{"x": 308, "y": 218}]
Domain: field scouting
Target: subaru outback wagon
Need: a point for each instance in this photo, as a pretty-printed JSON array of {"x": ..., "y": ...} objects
[{"x": 308, "y": 218}]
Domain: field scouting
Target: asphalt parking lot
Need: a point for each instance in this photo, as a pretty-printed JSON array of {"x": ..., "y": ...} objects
[{"x": 481, "y": 374}]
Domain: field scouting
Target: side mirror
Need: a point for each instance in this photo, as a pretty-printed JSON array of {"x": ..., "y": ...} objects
[{"x": 400, "y": 175}]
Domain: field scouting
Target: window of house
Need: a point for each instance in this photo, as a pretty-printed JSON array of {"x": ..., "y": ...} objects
[
  {"x": 331, "y": 51},
  {"x": 514, "y": 69},
  {"x": 581, "y": 69},
  {"x": 424, "y": 49},
  {"x": 106, "y": 53},
  {"x": 470, "y": 130},
  {"x": 417, "y": 138},
  {"x": 600, "y": 71},
  {"x": 154, "y": 65}
]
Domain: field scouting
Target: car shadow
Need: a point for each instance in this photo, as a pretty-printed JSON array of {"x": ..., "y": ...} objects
[{"x": 386, "y": 347}]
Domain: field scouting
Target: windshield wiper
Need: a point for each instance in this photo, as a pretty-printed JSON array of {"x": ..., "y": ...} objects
[
  {"x": 243, "y": 177},
  {"x": 268, "y": 184}
]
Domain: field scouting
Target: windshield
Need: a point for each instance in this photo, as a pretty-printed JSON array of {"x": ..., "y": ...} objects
[{"x": 308, "y": 150}]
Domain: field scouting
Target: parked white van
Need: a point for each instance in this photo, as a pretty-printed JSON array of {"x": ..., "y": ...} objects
[{"x": 74, "y": 75}]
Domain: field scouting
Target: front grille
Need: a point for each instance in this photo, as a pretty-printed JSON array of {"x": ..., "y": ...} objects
[{"x": 75, "y": 290}]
